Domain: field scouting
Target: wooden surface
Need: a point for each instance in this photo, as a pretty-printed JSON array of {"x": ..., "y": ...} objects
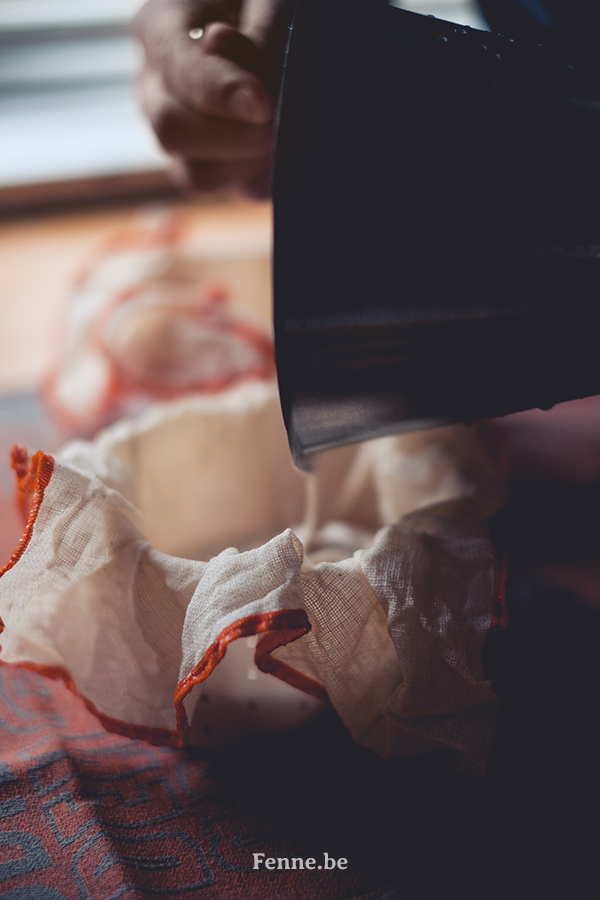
[{"x": 40, "y": 257}]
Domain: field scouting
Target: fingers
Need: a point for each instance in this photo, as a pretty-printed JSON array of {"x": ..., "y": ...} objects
[
  {"x": 218, "y": 75},
  {"x": 258, "y": 20},
  {"x": 203, "y": 77},
  {"x": 195, "y": 135},
  {"x": 206, "y": 98}
]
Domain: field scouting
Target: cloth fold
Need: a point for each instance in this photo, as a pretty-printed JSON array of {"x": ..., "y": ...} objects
[{"x": 185, "y": 650}]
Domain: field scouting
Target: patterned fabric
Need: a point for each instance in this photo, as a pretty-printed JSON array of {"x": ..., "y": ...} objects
[
  {"x": 88, "y": 814},
  {"x": 92, "y": 813}
]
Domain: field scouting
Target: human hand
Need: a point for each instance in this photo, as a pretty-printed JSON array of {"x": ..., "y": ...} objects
[{"x": 208, "y": 98}]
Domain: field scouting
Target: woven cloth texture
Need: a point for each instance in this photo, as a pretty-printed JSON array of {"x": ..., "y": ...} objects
[
  {"x": 391, "y": 635},
  {"x": 89, "y": 815}
]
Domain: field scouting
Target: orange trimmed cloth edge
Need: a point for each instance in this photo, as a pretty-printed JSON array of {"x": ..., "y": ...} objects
[
  {"x": 279, "y": 627},
  {"x": 289, "y": 625},
  {"x": 282, "y": 626},
  {"x": 33, "y": 477}
]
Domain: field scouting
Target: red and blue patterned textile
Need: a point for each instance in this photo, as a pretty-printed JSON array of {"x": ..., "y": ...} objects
[{"x": 89, "y": 814}]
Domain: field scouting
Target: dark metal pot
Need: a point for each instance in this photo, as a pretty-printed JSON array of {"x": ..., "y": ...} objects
[{"x": 437, "y": 225}]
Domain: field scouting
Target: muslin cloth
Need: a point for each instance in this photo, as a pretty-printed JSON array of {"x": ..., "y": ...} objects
[{"x": 166, "y": 575}]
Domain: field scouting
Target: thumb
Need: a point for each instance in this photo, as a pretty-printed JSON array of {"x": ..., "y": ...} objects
[
  {"x": 258, "y": 18},
  {"x": 264, "y": 22}
]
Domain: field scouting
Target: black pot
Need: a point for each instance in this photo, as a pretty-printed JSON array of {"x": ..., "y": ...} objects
[{"x": 437, "y": 225}]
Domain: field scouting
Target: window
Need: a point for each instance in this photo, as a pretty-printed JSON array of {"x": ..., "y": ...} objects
[
  {"x": 70, "y": 121},
  {"x": 69, "y": 116}
]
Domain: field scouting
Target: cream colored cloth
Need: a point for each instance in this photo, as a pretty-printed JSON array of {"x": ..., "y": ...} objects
[
  {"x": 147, "y": 321},
  {"x": 390, "y": 630}
]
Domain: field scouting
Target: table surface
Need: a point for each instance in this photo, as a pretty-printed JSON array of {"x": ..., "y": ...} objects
[{"x": 40, "y": 257}]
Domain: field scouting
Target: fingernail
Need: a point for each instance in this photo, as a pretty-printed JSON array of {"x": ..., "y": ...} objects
[{"x": 247, "y": 105}]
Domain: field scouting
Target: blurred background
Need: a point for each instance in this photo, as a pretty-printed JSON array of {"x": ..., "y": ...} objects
[
  {"x": 70, "y": 123},
  {"x": 77, "y": 158},
  {"x": 69, "y": 118},
  {"x": 78, "y": 166}
]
